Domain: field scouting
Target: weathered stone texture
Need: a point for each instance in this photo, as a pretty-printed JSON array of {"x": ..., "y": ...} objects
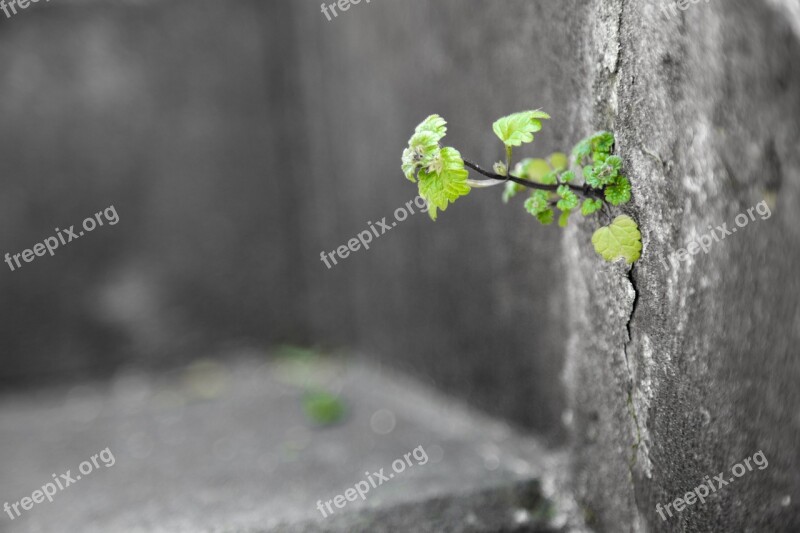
[{"x": 678, "y": 372}]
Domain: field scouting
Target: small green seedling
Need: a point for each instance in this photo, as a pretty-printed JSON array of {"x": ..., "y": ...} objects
[
  {"x": 323, "y": 408},
  {"x": 442, "y": 177}
]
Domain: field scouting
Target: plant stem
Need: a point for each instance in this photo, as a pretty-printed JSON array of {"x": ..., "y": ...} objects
[
  {"x": 508, "y": 160},
  {"x": 585, "y": 191}
]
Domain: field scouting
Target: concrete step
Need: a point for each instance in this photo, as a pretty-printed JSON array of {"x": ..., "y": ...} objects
[{"x": 230, "y": 448}]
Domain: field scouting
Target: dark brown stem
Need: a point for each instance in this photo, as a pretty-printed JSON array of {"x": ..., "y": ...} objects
[{"x": 583, "y": 190}]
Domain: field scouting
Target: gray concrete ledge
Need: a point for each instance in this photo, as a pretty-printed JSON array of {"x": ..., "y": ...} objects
[{"x": 229, "y": 448}]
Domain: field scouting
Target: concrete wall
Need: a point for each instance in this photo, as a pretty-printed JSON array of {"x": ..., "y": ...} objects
[
  {"x": 677, "y": 373},
  {"x": 237, "y": 142},
  {"x": 171, "y": 113},
  {"x": 474, "y": 302}
]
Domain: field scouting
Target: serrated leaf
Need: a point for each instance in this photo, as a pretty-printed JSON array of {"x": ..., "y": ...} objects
[
  {"x": 592, "y": 179},
  {"x": 546, "y": 217},
  {"x": 603, "y": 141},
  {"x": 444, "y": 181},
  {"x": 519, "y": 128},
  {"x": 537, "y": 203},
  {"x": 563, "y": 219},
  {"x": 435, "y": 125},
  {"x": 619, "y": 240},
  {"x": 590, "y": 206},
  {"x": 567, "y": 177},
  {"x": 559, "y": 161},
  {"x": 615, "y": 162},
  {"x": 538, "y": 113},
  {"x": 601, "y": 174},
  {"x": 618, "y": 191},
  {"x": 569, "y": 200},
  {"x": 581, "y": 151},
  {"x": 597, "y": 145},
  {"x": 409, "y": 165},
  {"x": 425, "y": 143},
  {"x": 423, "y": 149}
]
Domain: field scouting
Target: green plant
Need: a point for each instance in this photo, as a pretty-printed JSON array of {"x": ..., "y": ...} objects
[
  {"x": 322, "y": 407},
  {"x": 442, "y": 176}
]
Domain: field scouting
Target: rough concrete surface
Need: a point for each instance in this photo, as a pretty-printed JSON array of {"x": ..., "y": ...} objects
[
  {"x": 228, "y": 449},
  {"x": 680, "y": 372}
]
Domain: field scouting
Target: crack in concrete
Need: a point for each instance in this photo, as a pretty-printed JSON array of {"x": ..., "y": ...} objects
[
  {"x": 632, "y": 382},
  {"x": 636, "y": 447}
]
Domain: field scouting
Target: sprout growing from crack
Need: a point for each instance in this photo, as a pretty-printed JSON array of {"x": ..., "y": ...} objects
[{"x": 442, "y": 176}]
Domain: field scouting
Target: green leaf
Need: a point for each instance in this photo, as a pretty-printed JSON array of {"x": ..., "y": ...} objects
[
  {"x": 590, "y": 206},
  {"x": 546, "y": 217},
  {"x": 423, "y": 148},
  {"x": 618, "y": 191},
  {"x": 620, "y": 240},
  {"x": 559, "y": 161},
  {"x": 598, "y": 146},
  {"x": 511, "y": 191},
  {"x": 520, "y": 169},
  {"x": 581, "y": 151},
  {"x": 551, "y": 178},
  {"x": 538, "y": 113},
  {"x": 444, "y": 181},
  {"x": 600, "y": 174},
  {"x": 603, "y": 141},
  {"x": 569, "y": 200},
  {"x": 563, "y": 219},
  {"x": 409, "y": 165},
  {"x": 536, "y": 169},
  {"x": 615, "y": 162},
  {"x": 567, "y": 177},
  {"x": 435, "y": 125},
  {"x": 519, "y": 128},
  {"x": 323, "y": 408},
  {"x": 537, "y": 203},
  {"x": 592, "y": 178}
]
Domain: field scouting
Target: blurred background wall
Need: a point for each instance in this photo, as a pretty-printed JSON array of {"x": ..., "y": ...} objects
[
  {"x": 170, "y": 112},
  {"x": 237, "y": 141}
]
